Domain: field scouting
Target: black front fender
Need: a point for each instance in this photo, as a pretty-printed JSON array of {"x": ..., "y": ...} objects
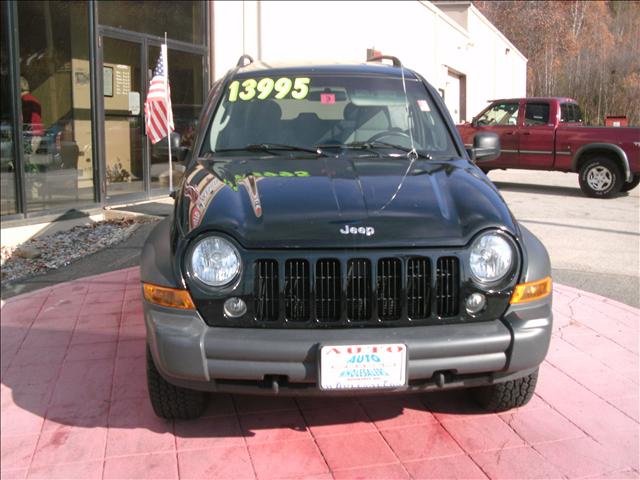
[
  {"x": 537, "y": 265},
  {"x": 156, "y": 262},
  {"x": 530, "y": 323}
]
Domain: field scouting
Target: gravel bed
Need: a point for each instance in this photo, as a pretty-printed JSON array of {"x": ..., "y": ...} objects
[{"x": 39, "y": 255}]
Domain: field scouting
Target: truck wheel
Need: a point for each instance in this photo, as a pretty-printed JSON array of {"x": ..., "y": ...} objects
[
  {"x": 600, "y": 177},
  {"x": 506, "y": 395},
  {"x": 169, "y": 401},
  {"x": 628, "y": 186}
]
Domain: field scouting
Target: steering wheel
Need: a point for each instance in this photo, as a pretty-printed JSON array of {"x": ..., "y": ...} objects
[{"x": 390, "y": 133}]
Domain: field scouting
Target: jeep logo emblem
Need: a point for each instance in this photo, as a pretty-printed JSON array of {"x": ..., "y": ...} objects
[{"x": 347, "y": 230}]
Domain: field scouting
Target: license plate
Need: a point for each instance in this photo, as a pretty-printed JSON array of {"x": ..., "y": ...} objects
[{"x": 346, "y": 367}]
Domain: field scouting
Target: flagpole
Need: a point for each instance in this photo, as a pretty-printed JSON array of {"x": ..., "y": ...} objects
[{"x": 166, "y": 93}]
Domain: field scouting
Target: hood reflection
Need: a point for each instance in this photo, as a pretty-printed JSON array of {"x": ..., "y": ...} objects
[{"x": 304, "y": 203}]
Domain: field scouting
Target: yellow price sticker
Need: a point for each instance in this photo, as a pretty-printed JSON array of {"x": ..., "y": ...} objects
[
  {"x": 252, "y": 88},
  {"x": 249, "y": 91}
]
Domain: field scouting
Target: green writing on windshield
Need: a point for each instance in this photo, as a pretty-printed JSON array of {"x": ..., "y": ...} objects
[{"x": 251, "y": 88}]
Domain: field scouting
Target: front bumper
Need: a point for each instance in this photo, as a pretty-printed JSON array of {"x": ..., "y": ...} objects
[{"x": 189, "y": 353}]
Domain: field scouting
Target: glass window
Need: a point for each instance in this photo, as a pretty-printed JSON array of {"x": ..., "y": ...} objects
[
  {"x": 536, "y": 114},
  {"x": 500, "y": 114},
  {"x": 570, "y": 113},
  {"x": 181, "y": 20},
  {"x": 56, "y": 103},
  {"x": 186, "y": 76},
  {"x": 7, "y": 160},
  {"x": 566, "y": 113},
  {"x": 304, "y": 110},
  {"x": 577, "y": 114},
  {"x": 123, "y": 118}
]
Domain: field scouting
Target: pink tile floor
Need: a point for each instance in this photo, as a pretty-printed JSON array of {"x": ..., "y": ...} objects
[{"x": 74, "y": 405}]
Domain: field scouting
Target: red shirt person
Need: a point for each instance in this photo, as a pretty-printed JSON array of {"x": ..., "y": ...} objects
[{"x": 31, "y": 111}]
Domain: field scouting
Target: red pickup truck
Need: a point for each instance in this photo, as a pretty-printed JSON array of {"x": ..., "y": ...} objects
[{"x": 548, "y": 134}]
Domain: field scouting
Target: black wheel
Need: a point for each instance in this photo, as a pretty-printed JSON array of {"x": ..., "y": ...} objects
[
  {"x": 169, "y": 401},
  {"x": 628, "y": 186},
  {"x": 600, "y": 177},
  {"x": 506, "y": 395}
]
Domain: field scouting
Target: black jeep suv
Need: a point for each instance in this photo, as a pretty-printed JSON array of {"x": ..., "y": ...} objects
[{"x": 332, "y": 236}]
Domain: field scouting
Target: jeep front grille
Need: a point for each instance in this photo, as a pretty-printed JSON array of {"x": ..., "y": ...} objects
[
  {"x": 296, "y": 290},
  {"x": 356, "y": 291},
  {"x": 328, "y": 290},
  {"x": 447, "y": 280},
  {"x": 418, "y": 288},
  {"x": 389, "y": 285},
  {"x": 358, "y": 294},
  {"x": 266, "y": 290}
]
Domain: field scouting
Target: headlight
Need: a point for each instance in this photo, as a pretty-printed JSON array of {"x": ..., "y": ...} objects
[
  {"x": 215, "y": 261},
  {"x": 492, "y": 257}
]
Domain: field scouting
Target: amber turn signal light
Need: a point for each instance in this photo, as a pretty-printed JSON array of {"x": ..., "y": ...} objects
[
  {"x": 528, "y": 292},
  {"x": 167, "y": 297}
]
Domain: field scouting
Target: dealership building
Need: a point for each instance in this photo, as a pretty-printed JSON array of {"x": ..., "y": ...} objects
[{"x": 74, "y": 77}]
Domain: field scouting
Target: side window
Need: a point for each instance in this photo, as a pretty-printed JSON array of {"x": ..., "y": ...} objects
[
  {"x": 500, "y": 114},
  {"x": 577, "y": 114},
  {"x": 536, "y": 114},
  {"x": 566, "y": 113}
]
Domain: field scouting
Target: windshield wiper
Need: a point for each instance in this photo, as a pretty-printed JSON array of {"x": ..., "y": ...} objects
[
  {"x": 372, "y": 145},
  {"x": 268, "y": 147}
]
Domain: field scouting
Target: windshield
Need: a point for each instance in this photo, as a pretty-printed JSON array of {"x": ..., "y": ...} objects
[{"x": 308, "y": 111}]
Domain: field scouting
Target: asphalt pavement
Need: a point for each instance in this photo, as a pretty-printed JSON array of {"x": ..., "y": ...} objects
[{"x": 594, "y": 244}]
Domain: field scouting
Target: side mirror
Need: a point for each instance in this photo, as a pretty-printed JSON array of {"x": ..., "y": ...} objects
[
  {"x": 474, "y": 122},
  {"x": 486, "y": 147}
]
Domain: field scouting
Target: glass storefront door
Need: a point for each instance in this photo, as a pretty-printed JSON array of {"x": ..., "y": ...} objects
[
  {"x": 186, "y": 77},
  {"x": 72, "y": 118},
  {"x": 133, "y": 166},
  {"x": 123, "y": 94}
]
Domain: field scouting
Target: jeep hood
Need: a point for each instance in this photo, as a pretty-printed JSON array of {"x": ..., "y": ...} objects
[{"x": 284, "y": 202}]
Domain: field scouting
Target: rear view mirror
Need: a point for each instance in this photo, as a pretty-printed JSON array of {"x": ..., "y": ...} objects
[{"x": 486, "y": 147}]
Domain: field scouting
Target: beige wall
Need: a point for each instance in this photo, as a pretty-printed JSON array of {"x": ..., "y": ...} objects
[{"x": 420, "y": 34}]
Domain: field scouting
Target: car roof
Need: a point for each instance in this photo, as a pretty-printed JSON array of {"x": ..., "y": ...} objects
[
  {"x": 369, "y": 68},
  {"x": 535, "y": 99}
]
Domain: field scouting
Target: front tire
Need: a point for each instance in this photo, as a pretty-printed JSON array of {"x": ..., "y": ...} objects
[
  {"x": 169, "y": 401},
  {"x": 600, "y": 177},
  {"x": 507, "y": 395},
  {"x": 628, "y": 186}
]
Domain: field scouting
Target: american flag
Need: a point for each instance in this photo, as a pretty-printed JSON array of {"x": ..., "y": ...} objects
[{"x": 157, "y": 108}]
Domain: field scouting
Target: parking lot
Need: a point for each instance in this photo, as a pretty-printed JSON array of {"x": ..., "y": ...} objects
[{"x": 594, "y": 244}]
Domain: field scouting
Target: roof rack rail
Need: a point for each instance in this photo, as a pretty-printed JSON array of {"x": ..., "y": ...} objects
[
  {"x": 396, "y": 61},
  {"x": 242, "y": 59}
]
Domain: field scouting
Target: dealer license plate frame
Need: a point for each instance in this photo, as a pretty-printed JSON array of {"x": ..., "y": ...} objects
[{"x": 348, "y": 350}]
